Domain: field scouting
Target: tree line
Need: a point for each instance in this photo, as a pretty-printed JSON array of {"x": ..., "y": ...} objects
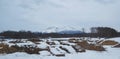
[{"x": 95, "y": 32}]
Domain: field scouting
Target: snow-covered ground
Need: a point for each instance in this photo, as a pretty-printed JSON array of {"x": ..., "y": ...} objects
[{"x": 110, "y": 53}]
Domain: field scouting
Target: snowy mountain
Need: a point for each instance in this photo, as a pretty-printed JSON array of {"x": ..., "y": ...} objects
[{"x": 62, "y": 30}]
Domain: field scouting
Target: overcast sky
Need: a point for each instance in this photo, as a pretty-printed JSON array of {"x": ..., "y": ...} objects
[{"x": 36, "y": 15}]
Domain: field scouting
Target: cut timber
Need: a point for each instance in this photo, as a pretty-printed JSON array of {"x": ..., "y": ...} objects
[
  {"x": 109, "y": 42},
  {"x": 117, "y": 46},
  {"x": 56, "y": 52}
]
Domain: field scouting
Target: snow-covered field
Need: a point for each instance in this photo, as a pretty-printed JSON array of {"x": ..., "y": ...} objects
[{"x": 110, "y": 53}]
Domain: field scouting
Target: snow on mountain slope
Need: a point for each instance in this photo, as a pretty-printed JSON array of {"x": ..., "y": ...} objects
[{"x": 62, "y": 30}]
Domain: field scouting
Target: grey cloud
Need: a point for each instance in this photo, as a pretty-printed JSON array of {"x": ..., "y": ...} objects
[{"x": 40, "y": 14}]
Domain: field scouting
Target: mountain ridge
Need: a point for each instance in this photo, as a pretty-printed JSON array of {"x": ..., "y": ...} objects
[{"x": 62, "y": 30}]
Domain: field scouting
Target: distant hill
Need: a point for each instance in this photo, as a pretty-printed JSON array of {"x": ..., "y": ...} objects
[{"x": 63, "y": 30}]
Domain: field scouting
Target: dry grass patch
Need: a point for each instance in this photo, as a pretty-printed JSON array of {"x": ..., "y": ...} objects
[
  {"x": 109, "y": 42},
  {"x": 4, "y": 48},
  {"x": 34, "y": 40},
  {"x": 15, "y": 48},
  {"x": 95, "y": 47},
  {"x": 84, "y": 44}
]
